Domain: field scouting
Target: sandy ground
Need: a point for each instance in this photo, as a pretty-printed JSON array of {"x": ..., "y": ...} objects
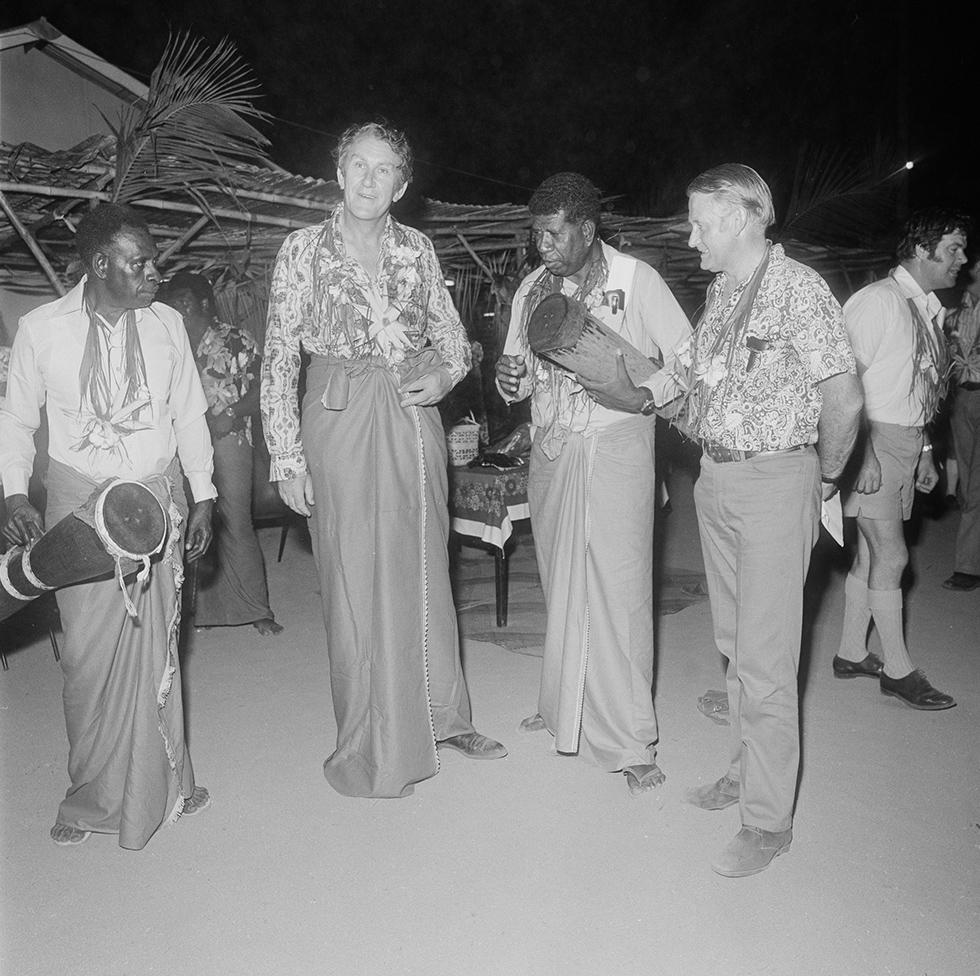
[{"x": 536, "y": 864}]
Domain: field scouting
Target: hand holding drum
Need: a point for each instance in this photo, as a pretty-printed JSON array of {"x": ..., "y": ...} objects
[
  {"x": 510, "y": 371},
  {"x": 127, "y": 520},
  {"x": 562, "y": 331}
]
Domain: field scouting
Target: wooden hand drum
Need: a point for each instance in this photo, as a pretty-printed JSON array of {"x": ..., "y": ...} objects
[
  {"x": 128, "y": 521},
  {"x": 562, "y": 331}
]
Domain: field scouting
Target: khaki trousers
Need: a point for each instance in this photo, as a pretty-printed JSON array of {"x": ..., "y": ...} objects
[{"x": 759, "y": 520}]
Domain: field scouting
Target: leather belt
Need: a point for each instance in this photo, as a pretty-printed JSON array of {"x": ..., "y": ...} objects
[
  {"x": 723, "y": 455},
  {"x": 969, "y": 387}
]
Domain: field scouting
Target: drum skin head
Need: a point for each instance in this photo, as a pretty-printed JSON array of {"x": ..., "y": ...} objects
[
  {"x": 134, "y": 518},
  {"x": 555, "y": 324}
]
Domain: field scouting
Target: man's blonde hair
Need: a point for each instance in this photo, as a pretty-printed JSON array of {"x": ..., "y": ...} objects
[{"x": 740, "y": 185}]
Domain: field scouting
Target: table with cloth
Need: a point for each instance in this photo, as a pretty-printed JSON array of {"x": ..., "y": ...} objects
[{"x": 484, "y": 504}]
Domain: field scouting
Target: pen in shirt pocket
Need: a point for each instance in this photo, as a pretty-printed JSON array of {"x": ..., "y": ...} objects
[{"x": 755, "y": 346}]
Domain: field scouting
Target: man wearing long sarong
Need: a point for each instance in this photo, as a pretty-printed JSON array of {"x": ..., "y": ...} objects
[
  {"x": 591, "y": 487},
  {"x": 365, "y": 297},
  {"x": 117, "y": 376},
  {"x": 236, "y": 592},
  {"x": 772, "y": 368}
]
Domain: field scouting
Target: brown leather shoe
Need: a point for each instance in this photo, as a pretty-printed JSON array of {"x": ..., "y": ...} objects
[
  {"x": 871, "y": 666},
  {"x": 473, "y": 745},
  {"x": 914, "y": 689},
  {"x": 715, "y": 796},
  {"x": 752, "y": 850}
]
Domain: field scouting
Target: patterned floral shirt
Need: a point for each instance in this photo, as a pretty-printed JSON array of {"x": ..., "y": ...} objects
[
  {"x": 228, "y": 361},
  {"x": 759, "y": 393},
  {"x": 324, "y": 302}
]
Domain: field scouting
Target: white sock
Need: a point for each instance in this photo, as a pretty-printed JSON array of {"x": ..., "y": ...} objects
[
  {"x": 886, "y": 609},
  {"x": 857, "y": 616}
]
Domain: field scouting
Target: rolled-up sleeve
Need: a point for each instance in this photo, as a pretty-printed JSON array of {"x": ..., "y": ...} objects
[
  {"x": 516, "y": 344},
  {"x": 190, "y": 427},
  {"x": 665, "y": 326}
]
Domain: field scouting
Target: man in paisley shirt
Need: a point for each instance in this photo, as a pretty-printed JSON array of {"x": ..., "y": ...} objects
[
  {"x": 366, "y": 463},
  {"x": 228, "y": 363},
  {"x": 964, "y": 341},
  {"x": 591, "y": 486},
  {"x": 895, "y": 328},
  {"x": 774, "y": 402},
  {"x": 116, "y": 374}
]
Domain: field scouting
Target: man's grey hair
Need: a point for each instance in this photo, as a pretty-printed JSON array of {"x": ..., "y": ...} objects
[
  {"x": 740, "y": 185},
  {"x": 386, "y": 133}
]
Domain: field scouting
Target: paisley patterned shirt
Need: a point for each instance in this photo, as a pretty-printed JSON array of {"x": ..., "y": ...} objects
[
  {"x": 324, "y": 302},
  {"x": 228, "y": 361},
  {"x": 759, "y": 390}
]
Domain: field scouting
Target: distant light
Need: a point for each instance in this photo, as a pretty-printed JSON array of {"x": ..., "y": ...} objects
[
  {"x": 909, "y": 164},
  {"x": 450, "y": 282}
]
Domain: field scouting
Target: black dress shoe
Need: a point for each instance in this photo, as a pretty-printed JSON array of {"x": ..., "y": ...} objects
[
  {"x": 962, "y": 581},
  {"x": 871, "y": 666},
  {"x": 914, "y": 689}
]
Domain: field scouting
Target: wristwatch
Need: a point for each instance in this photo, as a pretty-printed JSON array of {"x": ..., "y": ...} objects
[
  {"x": 648, "y": 405},
  {"x": 230, "y": 412}
]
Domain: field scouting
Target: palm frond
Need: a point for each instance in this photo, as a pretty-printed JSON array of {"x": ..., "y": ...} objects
[
  {"x": 192, "y": 125},
  {"x": 840, "y": 197}
]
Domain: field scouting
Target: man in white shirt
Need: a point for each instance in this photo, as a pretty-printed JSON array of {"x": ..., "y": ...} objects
[
  {"x": 117, "y": 376},
  {"x": 895, "y": 328}
]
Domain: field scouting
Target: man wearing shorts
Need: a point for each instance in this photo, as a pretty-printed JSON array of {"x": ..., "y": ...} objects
[{"x": 895, "y": 328}]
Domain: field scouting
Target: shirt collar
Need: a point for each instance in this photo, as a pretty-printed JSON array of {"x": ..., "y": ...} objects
[
  {"x": 73, "y": 304},
  {"x": 912, "y": 289}
]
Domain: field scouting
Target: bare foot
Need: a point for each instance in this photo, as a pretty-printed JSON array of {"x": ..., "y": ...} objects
[
  {"x": 199, "y": 800},
  {"x": 267, "y": 627},
  {"x": 64, "y": 835},
  {"x": 642, "y": 779}
]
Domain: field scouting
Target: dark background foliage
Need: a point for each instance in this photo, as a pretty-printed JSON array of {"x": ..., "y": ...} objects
[{"x": 497, "y": 94}]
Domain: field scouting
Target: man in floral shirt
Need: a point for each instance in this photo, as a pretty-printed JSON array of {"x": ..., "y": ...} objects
[
  {"x": 367, "y": 464},
  {"x": 228, "y": 363},
  {"x": 771, "y": 368}
]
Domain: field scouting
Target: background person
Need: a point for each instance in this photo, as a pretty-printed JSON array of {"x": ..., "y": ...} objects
[
  {"x": 964, "y": 339},
  {"x": 895, "y": 328},
  {"x": 228, "y": 363}
]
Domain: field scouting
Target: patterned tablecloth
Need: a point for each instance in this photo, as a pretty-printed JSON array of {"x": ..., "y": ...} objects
[{"x": 485, "y": 502}]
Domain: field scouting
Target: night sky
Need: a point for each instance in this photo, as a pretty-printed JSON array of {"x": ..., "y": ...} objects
[{"x": 497, "y": 94}]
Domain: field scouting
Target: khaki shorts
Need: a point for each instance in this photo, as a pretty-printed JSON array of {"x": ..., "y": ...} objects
[{"x": 898, "y": 450}]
